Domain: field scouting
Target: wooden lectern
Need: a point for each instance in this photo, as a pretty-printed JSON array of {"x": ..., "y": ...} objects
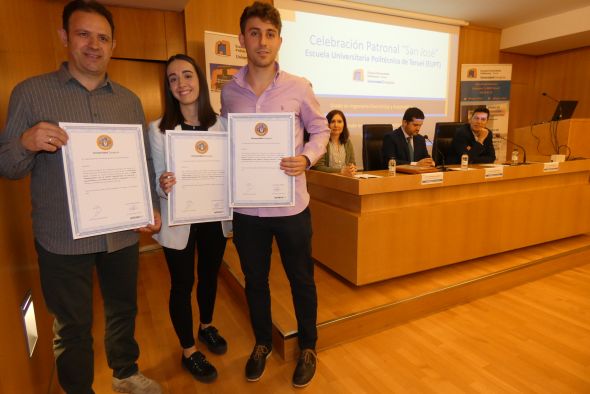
[{"x": 575, "y": 133}]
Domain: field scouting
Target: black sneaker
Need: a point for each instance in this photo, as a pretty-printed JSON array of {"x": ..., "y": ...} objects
[
  {"x": 257, "y": 362},
  {"x": 211, "y": 338},
  {"x": 199, "y": 367},
  {"x": 305, "y": 368}
]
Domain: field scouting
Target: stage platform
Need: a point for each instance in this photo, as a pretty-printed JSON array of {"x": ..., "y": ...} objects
[{"x": 347, "y": 312}]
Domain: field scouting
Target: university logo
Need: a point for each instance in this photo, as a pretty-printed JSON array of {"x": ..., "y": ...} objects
[
  {"x": 104, "y": 142},
  {"x": 358, "y": 75},
  {"x": 472, "y": 73},
  {"x": 201, "y": 147},
  {"x": 261, "y": 129},
  {"x": 222, "y": 48}
]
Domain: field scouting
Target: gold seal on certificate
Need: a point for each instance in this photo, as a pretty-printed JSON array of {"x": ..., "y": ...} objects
[
  {"x": 201, "y": 147},
  {"x": 107, "y": 179},
  {"x": 104, "y": 142},
  {"x": 261, "y": 129},
  {"x": 198, "y": 160},
  {"x": 257, "y": 143}
]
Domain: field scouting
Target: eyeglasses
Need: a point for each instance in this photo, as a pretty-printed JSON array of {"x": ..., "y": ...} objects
[{"x": 478, "y": 119}]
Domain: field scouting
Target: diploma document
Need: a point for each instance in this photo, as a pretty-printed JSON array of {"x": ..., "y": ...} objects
[
  {"x": 257, "y": 143},
  {"x": 198, "y": 160},
  {"x": 107, "y": 179}
]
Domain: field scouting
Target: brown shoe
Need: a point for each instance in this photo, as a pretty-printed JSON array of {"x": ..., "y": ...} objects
[
  {"x": 305, "y": 369},
  {"x": 257, "y": 362}
]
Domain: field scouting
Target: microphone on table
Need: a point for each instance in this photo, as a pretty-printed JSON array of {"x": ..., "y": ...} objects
[
  {"x": 513, "y": 143},
  {"x": 439, "y": 152}
]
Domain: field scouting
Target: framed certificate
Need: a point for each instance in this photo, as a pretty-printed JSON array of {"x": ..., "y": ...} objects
[
  {"x": 198, "y": 159},
  {"x": 107, "y": 179},
  {"x": 257, "y": 143}
]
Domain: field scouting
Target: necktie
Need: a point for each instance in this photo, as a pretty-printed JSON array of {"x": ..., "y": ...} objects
[{"x": 411, "y": 148}]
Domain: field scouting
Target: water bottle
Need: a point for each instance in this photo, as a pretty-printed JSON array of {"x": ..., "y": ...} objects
[
  {"x": 391, "y": 166},
  {"x": 464, "y": 161},
  {"x": 514, "y": 158}
]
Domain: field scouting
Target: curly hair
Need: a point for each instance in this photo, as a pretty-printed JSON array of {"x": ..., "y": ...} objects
[{"x": 265, "y": 11}]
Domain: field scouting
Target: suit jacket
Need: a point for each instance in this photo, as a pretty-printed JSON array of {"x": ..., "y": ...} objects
[
  {"x": 464, "y": 142},
  {"x": 323, "y": 163},
  {"x": 174, "y": 237},
  {"x": 396, "y": 145}
]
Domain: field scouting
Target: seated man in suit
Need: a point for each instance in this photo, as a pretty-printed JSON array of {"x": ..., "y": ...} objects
[
  {"x": 405, "y": 144},
  {"x": 474, "y": 139}
]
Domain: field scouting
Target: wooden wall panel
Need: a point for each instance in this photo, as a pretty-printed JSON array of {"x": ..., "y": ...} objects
[
  {"x": 563, "y": 75},
  {"x": 24, "y": 51},
  {"x": 140, "y": 33},
  {"x": 19, "y": 274},
  {"x": 522, "y": 98},
  {"x": 175, "y": 36},
  {"x": 18, "y": 61},
  {"x": 146, "y": 79},
  {"x": 477, "y": 45}
]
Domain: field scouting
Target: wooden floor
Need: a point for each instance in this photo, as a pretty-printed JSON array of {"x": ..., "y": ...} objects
[
  {"x": 347, "y": 311},
  {"x": 531, "y": 338}
]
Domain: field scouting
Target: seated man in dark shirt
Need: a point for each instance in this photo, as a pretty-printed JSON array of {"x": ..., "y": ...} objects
[
  {"x": 474, "y": 139},
  {"x": 405, "y": 144}
]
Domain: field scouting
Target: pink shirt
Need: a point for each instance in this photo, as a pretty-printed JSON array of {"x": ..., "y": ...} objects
[{"x": 286, "y": 93}]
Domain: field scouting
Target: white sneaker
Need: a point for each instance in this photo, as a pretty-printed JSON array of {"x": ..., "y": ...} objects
[{"x": 136, "y": 384}]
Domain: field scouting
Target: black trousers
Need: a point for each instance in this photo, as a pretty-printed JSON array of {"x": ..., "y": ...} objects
[
  {"x": 253, "y": 238},
  {"x": 66, "y": 281},
  {"x": 210, "y": 244}
]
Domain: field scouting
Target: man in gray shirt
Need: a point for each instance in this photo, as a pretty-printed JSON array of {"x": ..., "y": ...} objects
[{"x": 80, "y": 91}]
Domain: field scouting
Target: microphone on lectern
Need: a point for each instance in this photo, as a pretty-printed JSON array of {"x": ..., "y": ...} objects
[
  {"x": 550, "y": 97},
  {"x": 559, "y": 111}
]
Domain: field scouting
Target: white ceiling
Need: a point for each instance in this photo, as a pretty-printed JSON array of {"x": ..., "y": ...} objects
[
  {"x": 489, "y": 13},
  {"x": 499, "y": 14}
]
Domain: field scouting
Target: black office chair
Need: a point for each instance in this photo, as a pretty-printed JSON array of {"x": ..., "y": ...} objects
[
  {"x": 443, "y": 137},
  {"x": 372, "y": 141}
]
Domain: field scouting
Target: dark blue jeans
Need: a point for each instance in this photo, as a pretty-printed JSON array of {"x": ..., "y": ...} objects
[
  {"x": 66, "y": 281},
  {"x": 253, "y": 238}
]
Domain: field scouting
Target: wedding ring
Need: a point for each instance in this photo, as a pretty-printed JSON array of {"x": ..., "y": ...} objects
[{"x": 50, "y": 140}]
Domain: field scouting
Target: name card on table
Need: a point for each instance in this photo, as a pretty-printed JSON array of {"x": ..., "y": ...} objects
[
  {"x": 494, "y": 172},
  {"x": 366, "y": 176},
  {"x": 551, "y": 166},
  {"x": 431, "y": 178}
]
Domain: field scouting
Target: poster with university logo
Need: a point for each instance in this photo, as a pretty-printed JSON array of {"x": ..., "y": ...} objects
[
  {"x": 489, "y": 85},
  {"x": 223, "y": 58}
]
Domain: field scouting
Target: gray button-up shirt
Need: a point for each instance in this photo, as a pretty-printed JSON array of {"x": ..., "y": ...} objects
[{"x": 59, "y": 97}]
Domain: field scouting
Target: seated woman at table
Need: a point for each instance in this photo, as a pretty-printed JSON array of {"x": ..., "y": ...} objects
[{"x": 339, "y": 157}]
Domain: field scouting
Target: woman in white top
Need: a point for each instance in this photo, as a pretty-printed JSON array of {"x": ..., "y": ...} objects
[{"x": 187, "y": 107}]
